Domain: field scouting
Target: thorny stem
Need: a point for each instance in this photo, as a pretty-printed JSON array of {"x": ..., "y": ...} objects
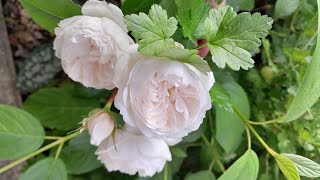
[
  {"x": 255, "y": 133},
  {"x": 111, "y": 99},
  {"x": 47, "y": 147}
]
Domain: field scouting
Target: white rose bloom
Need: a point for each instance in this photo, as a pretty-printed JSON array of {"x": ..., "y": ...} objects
[
  {"x": 162, "y": 97},
  {"x": 99, "y": 126},
  {"x": 131, "y": 152},
  {"x": 89, "y": 45}
]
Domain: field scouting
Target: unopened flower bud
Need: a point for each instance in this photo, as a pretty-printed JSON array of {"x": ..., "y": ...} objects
[{"x": 100, "y": 125}]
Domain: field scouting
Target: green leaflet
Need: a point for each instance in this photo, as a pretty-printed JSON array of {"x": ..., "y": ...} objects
[
  {"x": 154, "y": 31},
  {"x": 221, "y": 97},
  {"x": 48, "y": 169},
  {"x": 192, "y": 18},
  {"x": 232, "y": 37},
  {"x": 156, "y": 25},
  {"x": 245, "y": 168},
  {"x": 287, "y": 167},
  {"x": 305, "y": 166},
  {"x": 78, "y": 155},
  {"x": 309, "y": 90},
  {"x": 48, "y": 13},
  {"x": 229, "y": 128},
  {"x": 203, "y": 175},
  {"x": 58, "y": 108},
  {"x": 20, "y": 133},
  {"x": 285, "y": 7}
]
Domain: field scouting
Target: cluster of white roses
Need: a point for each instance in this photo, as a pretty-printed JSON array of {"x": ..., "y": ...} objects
[{"x": 161, "y": 100}]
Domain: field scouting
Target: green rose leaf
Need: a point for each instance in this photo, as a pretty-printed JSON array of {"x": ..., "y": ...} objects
[
  {"x": 20, "y": 133},
  {"x": 58, "y": 108},
  {"x": 48, "y": 13},
  {"x": 305, "y": 166},
  {"x": 232, "y": 37},
  {"x": 287, "y": 167},
  {"x": 229, "y": 126},
  {"x": 285, "y": 8},
  {"x": 79, "y": 155},
  {"x": 308, "y": 92},
  {"x": 245, "y": 168},
  {"x": 192, "y": 18},
  {"x": 203, "y": 175},
  {"x": 154, "y": 31},
  {"x": 48, "y": 168}
]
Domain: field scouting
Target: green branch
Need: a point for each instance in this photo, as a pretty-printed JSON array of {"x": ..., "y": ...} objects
[{"x": 47, "y": 147}]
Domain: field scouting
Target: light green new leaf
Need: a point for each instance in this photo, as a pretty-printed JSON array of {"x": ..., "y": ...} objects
[
  {"x": 187, "y": 56},
  {"x": 221, "y": 97},
  {"x": 48, "y": 169},
  {"x": 48, "y": 13},
  {"x": 201, "y": 175},
  {"x": 154, "y": 47},
  {"x": 57, "y": 108},
  {"x": 245, "y": 168},
  {"x": 20, "y": 133},
  {"x": 305, "y": 166},
  {"x": 231, "y": 37},
  {"x": 229, "y": 126},
  {"x": 134, "y": 6},
  {"x": 156, "y": 25},
  {"x": 287, "y": 167},
  {"x": 192, "y": 18},
  {"x": 79, "y": 155},
  {"x": 154, "y": 31},
  {"x": 308, "y": 92},
  {"x": 285, "y": 7}
]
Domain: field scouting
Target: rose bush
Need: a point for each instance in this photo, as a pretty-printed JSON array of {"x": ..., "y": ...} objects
[{"x": 88, "y": 46}]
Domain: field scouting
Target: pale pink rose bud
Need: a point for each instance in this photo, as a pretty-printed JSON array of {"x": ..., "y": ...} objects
[
  {"x": 131, "y": 152},
  {"x": 100, "y": 125}
]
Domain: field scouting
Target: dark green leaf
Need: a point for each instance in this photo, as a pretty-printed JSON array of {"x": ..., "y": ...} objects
[
  {"x": 178, "y": 152},
  {"x": 134, "y": 6},
  {"x": 285, "y": 7},
  {"x": 58, "y": 108},
  {"x": 245, "y": 168},
  {"x": 20, "y": 133},
  {"x": 79, "y": 156},
  {"x": 48, "y": 169},
  {"x": 192, "y": 18},
  {"x": 48, "y": 13},
  {"x": 203, "y": 175},
  {"x": 229, "y": 126}
]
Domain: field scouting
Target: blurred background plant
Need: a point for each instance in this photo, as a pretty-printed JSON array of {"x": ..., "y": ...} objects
[{"x": 264, "y": 92}]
